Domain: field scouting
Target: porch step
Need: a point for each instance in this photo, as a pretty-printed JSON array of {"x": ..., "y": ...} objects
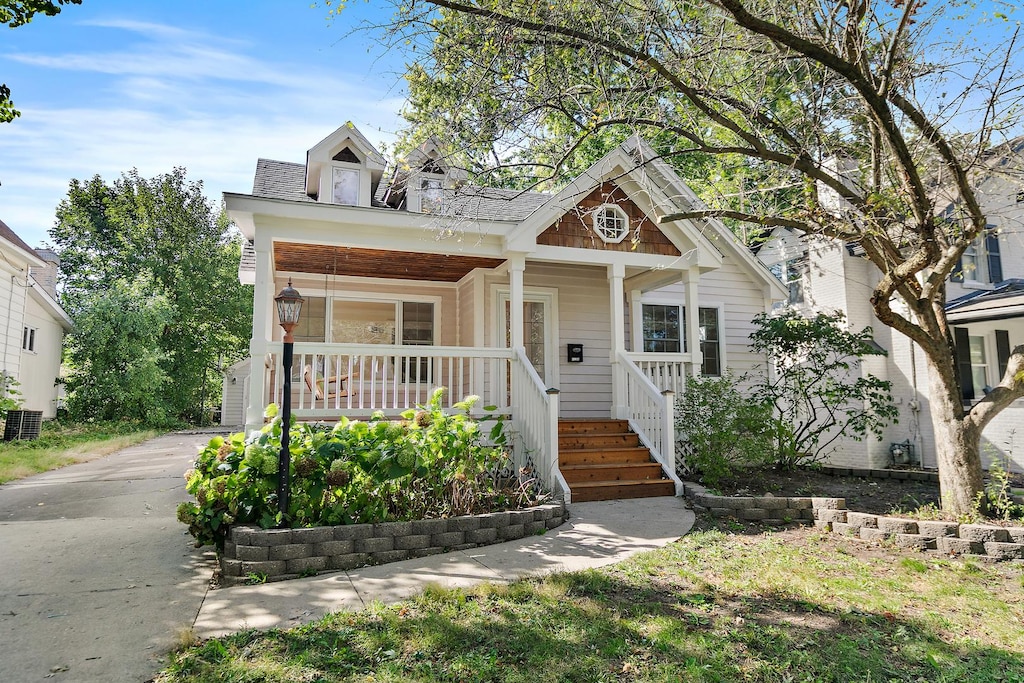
[
  {"x": 617, "y": 490},
  {"x": 603, "y": 460},
  {"x": 613, "y": 471}
]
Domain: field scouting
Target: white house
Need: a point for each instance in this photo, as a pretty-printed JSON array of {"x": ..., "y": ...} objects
[
  {"x": 985, "y": 305},
  {"x": 33, "y": 323},
  {"x": 564, "y": 310}
]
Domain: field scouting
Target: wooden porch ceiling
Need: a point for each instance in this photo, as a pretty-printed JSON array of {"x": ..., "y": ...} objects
[{"x": 402, "y": 265}]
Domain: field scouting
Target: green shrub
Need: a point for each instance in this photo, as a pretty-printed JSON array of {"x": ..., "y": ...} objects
[
  {"x": 430, "y": 464},
  {"x": 723, "y": 428}
]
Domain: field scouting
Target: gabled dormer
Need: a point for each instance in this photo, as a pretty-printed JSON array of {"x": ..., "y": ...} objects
[
  {"x": 344, "y": 168},
  {"x": 427, "y": 176}
]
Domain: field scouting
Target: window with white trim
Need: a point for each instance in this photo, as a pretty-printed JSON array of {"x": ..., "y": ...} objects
[
  {"x": 430, "y": 194},
  {"x": 981, "y": 261},
  {"x": 791, "y": 274},
  {"x": 28, "y": 339},
  {"x": 710, "y": 342},
  {"x": 344, "y": 186},
  {"x": 610, "y": 223},
  {"x": 663, "y": 326}
]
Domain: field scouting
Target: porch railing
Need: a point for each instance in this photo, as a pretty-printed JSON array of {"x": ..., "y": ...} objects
[
  {"x": 535, "y": 421},
  {"x": 650, "y": 411},
  {"x": 665, "y": 370},
  {"x": 329, "y": 380}
]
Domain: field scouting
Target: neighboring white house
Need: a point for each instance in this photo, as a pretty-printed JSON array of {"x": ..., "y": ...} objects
[
  {"x": 415, "y": 279},
  {"x": 33, "y": 323},
  {"x": 985, "y": 305}
]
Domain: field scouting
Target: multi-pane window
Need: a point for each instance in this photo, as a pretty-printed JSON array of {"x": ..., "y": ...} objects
[
  {"x": 28, "y": 339},
  {"x": 979, "y": 365},
  {"x": 710, "y": 342},
  {"x": 791, "y": 273},
  {"x": 981, "y": 261},
  {"x": 662, "y": 328},
  {"x": 312, "y": 320},
  {"x": 611, "y": 223}
]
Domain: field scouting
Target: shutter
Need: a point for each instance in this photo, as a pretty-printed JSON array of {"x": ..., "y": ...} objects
[
  {"x": 995, "y": 265},
  {"x": 958, "y": 272},
  {"x": 963, "y": 362},
  {"x": 1002, "y": 352}
]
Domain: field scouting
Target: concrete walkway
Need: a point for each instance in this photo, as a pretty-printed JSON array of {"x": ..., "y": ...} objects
[
  {"x": 597, "y": 534},
  {"x": 96, "y": 575}
]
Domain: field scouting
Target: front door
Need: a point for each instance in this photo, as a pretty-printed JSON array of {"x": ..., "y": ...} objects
[{"x": 539, "y": 332}]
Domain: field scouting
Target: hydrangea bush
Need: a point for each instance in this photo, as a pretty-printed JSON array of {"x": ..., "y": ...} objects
[{"x": 429, "y": 464}]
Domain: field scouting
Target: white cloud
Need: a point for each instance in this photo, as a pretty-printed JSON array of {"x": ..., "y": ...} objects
[{"x": 174, "y": 98}]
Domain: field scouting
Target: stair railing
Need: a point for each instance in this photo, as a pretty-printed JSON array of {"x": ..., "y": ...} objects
[
  {"x": 651, "y": 414},
  {"x": 535, "y": 419}
]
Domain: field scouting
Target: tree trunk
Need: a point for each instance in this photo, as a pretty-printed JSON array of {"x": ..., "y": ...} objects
[{"x": 957, "y": 442}]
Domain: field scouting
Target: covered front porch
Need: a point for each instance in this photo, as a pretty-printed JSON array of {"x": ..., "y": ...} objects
[{"x": 516, "y": 359}]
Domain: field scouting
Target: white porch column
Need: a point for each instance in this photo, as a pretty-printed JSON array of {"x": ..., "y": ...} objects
[
  {"x": 262, "y": 328},
  {"x": 516, "y": 268},
  {"x": 690, "y": 279},
  {"x": 636, "y": 319},
  {"x": 616, "y": 275}
]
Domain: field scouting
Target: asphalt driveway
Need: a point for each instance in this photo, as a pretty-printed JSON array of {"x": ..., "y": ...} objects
[{"x": 96, "y": 575}]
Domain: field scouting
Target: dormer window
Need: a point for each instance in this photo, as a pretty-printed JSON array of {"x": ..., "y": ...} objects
[
  {"x": 610, "y": 223},
  {"x": 430, "y": 194},
  {"x": 345, "y": 186}
]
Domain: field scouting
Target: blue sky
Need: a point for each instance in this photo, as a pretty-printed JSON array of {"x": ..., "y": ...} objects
[{"x": 209, "y": 85}]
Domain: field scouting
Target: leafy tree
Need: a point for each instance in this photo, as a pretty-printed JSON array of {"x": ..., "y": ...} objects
[
  {"x": 816, "y": 390},
  {"x": 163, "y": 229},
  {"x": 15, "y": 13},
  {"x": 115, "y": 355},
  {"x": 780, "y": 88}
]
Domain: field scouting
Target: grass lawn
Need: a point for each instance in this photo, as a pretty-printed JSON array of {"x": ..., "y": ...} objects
[
  {"x": 64, "y": 444},
  {"x": 718, "y": 605}
]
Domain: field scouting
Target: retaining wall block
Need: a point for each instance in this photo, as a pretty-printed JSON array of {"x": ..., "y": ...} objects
[
  {"x": 317, "y": 534},
  {"x": 915, "y": 541},
  {"x": 290, "y": 551},
  {"x": 774, "y": 521},
  {"x": 470, "y": 523},
  {"x": 306, "y": 564},
  {"x": 531, "y": 528},
  {"x": 801, "y": 503},
  {"x": 464, "y": 546},
  {"x": 424, "y": 552},
  {"x": 274, "y": 568},
  {"x": 984, "y": 533},
  {"x": 552, "y": 523},
  {"x": 829, "y": 503},
  {"x": 429, "y": 526},
  {"x": 392, "y": 529},
  {"x": 488, "y": 535},
  {"x": 350, "y": 561},
  {"x": 868, "y": 534},
  {"x": 936, "y": 528},
  {"x": 375, "y": 545},
  {"x": 388, "y": 556},
  {"x": 252, "y": 553},
  {"x": 959, "y": 546},
  {"x": 895, "y": 525},
  {"x": 331, "y": 548},
  {"x": 494, "y": 520},
  {"x": 830, "y": 515},
  {"x": 736, "y": 502},
  {"x": 509, "y": 533},
  {"x": 1004, "y": 551},
  {"x": 753, "y": 513},
  {"x": 721, "y": 512},
  {"x": 271, "y": 537},
  {"x": 859, "y": 519},
  {"x": 242, "y": 534},
  {"x": 412, "y": 542},
  {"x": 822, "y": 525},
  {"x": 353, "y": 532},
  {"x": 771, "y": 503},
  {"x": 845, "y": 529},
  {"x": 450, "y": 539},
  {"x": 1016, "y": 534},
  {"x": 540, "y": 514},
  {"x": 230, "y": 549},
  {"x": 231, "y": 568}
]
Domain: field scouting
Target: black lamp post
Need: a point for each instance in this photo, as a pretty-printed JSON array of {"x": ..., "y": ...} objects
[{"x": 289, "y": 304}]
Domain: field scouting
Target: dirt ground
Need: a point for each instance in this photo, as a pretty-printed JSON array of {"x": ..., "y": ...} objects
[{"x": 876, "y": 496}]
